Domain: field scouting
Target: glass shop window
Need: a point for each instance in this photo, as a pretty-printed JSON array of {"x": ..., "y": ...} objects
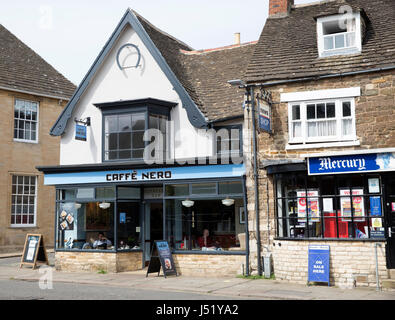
[
  {"x": 346, "y": 206},
  {"x": 88, "y": 226},
  {"x": 129, "y": 227},
  {"x": 208, "y": 225}
]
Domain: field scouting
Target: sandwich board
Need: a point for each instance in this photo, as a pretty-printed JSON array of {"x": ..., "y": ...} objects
[
  {"x": 34, "y": 251},
  {"x": 161, "y": 257}
]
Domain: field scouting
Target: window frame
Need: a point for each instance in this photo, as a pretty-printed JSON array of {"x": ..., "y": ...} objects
[
  {"x": 229, "y": 153},
  {"x": 305, "y": 139},
  {"x": 36, "y": 141},
  {"x": 357, "y": 48},
  {"x": 25, "y": 225}
]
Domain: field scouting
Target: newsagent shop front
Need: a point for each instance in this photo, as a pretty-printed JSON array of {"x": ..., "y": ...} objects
[
  {"x": 108, "y": 217},
  {"x": 344, "y": 200}
]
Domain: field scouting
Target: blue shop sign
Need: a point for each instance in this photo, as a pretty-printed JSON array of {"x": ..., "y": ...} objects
[
  {"x": 146, "y": 175},
  {"x": 373, "y": 162},
  {"x": 318, "y": 263},
  {"x": 80, "y": 132}
]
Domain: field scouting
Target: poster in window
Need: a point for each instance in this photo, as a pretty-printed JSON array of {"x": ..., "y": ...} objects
[
  {"x": 357, "y": 203},
  {"x": 313, "y": 207},
  {"x": 374, "y": 185}
]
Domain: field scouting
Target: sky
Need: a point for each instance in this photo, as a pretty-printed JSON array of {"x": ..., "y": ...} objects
[{"x": 69, "y": 34}]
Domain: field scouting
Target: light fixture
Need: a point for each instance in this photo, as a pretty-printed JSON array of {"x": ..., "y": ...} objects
[
  {"x": 228, "y": 202},
  {"x": 188, "y": 203},
  {"x": 77, "y": 205},
  {"x": 104, "y": 205}
]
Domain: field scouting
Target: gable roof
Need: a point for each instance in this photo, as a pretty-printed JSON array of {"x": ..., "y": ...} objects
[
  {"x": 188, "y": 75},
  {"x": 287, "y": 48},
  {"x": 23, "y": 70}
]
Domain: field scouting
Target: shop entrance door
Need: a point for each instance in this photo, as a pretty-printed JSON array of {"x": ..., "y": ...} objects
[
  {"x": 153, "y": 226},
  {"x": 389, "y": 203}
]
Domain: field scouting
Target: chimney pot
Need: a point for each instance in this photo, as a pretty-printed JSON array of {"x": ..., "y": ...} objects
[
  {"x": 280, "y": 7},
  {"x": 237, "y": 38}
]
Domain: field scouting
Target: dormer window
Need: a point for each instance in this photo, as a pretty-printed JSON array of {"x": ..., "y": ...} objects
[{"x": 339, "y": 35}]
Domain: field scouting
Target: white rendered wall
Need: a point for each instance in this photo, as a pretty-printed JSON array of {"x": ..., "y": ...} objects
[{"x": 111, "y": 84}]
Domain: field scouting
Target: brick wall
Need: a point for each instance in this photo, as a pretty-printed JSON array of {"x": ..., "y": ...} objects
[
  {"x": 209, "y": 265},
  {"x": 375, "y": 128},
  {"x": 22, "y": 158},
  {"x": 97, "y": 261},
  {"x": 347, "y": 259}
]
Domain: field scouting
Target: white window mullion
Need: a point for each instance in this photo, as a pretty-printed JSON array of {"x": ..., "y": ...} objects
[{"x": 339, "y": 117}]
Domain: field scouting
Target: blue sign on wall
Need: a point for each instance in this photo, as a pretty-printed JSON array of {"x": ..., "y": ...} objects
[
  {"x": 318, "y": 263},
  {"x": 375, "y": 206},
  {"x": 372, "y": 162},
  {"x": 80, "y": 132}
]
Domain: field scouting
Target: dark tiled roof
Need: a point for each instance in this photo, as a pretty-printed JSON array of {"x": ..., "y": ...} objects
[
  {"x": 23, "y": 69},
  {"x": 204, "y": 74},
  {"x": 287, "y": 48},
  {"x": 210, "y": 71}
]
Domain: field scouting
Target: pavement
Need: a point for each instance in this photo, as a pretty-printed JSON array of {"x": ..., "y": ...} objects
[{"x": 216, "y": 288}]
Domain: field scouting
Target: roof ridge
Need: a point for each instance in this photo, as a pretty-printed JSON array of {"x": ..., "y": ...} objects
[
  {"x": 159, "y": 30},
  {"x": 232, "y": 46}
]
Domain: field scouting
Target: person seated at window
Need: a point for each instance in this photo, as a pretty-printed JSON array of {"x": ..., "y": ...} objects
[
  {"x": 102, "y": 242},
  {"x": 206, "y": 241}
]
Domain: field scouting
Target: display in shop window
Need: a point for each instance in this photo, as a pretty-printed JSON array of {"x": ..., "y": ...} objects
[
  {"x": 374, "y": 185},
  {"x": 375, "y": 206},
  {"x": 357, "y": 205},
  {"x": 313, "y": 208}
]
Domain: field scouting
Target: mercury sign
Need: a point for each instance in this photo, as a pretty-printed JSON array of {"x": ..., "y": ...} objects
[
  {"x": 372, "y": 162},
  {"x": 264, "y": 116}
]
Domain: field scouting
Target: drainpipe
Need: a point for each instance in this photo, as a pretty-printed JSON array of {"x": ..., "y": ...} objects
[{"x": 258, "y": 235}]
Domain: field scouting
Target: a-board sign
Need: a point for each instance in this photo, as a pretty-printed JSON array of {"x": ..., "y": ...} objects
[
  {"x": 318, "y": 263},
  {"x": 161, "y": 257},
  {"x": 34, "y": 251}
]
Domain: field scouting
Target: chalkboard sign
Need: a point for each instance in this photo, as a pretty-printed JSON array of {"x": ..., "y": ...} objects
[
  {"x": 161, "y": 257},
  {"x": 34, "y": 250}
]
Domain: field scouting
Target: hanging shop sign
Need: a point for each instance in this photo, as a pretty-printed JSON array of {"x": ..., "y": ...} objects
[
  {"x": 158, "y": 174},
  {"x": 161, "y": 257},
  {"x": 318, "y": 263},
  {"x": 80, "y": 132},
  {"x": 357, "y": 205},
  {"x": 373, "y": 162},
  {"x": 313, "y": 207},
  {"x": 264, "y": 116}
]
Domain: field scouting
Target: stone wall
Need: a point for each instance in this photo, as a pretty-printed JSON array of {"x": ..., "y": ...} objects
[
  {"x": 21, "y": 158},
  {"x": 349, "y": 261},
  {"x": 375, "y": 128},
  {"x": 98, "y": 261},
  {"x": 209, "y": 265}
]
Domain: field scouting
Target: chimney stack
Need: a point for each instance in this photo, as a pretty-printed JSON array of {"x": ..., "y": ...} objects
[
  {"x": 237, "y": 38},
  {"x": 280, "y": 8}
]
